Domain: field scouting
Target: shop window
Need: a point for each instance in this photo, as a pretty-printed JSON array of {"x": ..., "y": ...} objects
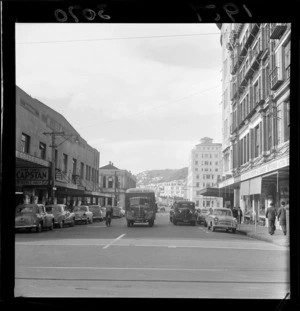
[
  {"x": 42, "y": 151},
  {"x": 25, "y": 143}
]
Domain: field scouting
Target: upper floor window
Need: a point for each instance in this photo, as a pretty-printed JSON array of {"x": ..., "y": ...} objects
[
  {"x": 42, "y": 150},
  {"x": 82, "y": 170},
  {"x": 25, "y": 143},
  {"x": 65, "y": 163},
  {"x": 110, "y": 182},
  {"x": 287, "y": 59},
  {"x": 257, "y": 141}
]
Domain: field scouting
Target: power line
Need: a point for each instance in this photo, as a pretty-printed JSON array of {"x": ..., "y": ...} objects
[
  {"x": 123, "y": 38},
  {"x": 171, "y": 102}
]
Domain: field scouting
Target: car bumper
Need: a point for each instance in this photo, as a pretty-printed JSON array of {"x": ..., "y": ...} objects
[
  {"x": 225, "y": 226},
  {"x": 25, "y": 226},
  {"x": 80, "y": 218}
]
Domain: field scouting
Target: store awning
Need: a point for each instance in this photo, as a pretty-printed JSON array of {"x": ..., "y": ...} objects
[
  {"x": 210, "y": 192},
  {"x": 245, "y": 187},
  {"x": 255, "y": 185}
]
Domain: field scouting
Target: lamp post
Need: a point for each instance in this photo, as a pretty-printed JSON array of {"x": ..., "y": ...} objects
[{"x": 53, "y": 146}]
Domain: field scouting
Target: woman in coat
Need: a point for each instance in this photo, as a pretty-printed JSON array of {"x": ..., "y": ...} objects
[
  {"x": 282, "y": 217},
  {"x": 271, "y": 215}
]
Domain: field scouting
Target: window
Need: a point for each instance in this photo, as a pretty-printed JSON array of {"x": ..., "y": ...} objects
[
  {"x": 82, "y": 170},
  {"x": 197, "y": 203},
  {"x": 196, "y": 162},
  {"x": 43, "y": 151},
  {"x": 257, "y": 141},
  {"x": 104, "y": 181},
  {"x": 65, "y": 163},
  {"x": 204, "y": 185},
  {"x": 216, "y": 169},
  {"x": 56, "y": 157},
  {"x": 287, "y": 59},
  {"x": 197, "y": 184},
  {"x": 74, "y": 166},
  {"x": 286, "y": 121},
  {"x": 269, "y": 131},
  {"x": 197, "y": 176},
  {"x": 196, "y": 169},
  {"x": 216, "y": 163},
  {"x": 110, "y": 182},
  {"x": 25, "y": 143},
  {"x": 255, "y": 93},
  {"x": 208, "y": 203}
]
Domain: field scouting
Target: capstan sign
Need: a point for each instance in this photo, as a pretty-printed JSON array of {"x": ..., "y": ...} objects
[{"x": 32, "y": 176}]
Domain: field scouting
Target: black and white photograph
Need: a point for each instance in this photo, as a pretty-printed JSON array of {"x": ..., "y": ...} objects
[{"x": 152, "y": 159}]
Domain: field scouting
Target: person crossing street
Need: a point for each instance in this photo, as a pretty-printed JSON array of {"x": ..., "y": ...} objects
[{"x": 109, "y": 213}]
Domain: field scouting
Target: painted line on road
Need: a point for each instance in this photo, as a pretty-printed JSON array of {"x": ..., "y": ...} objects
[
  {"x": 96, "y": 226},
  {"x": 157, "y": 269},
  {"x": 118, "y": 238}
]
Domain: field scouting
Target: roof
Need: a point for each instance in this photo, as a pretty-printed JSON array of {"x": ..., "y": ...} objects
[
  {"x": 210, "y": 192},
  {"x": 108, "y": 167}
]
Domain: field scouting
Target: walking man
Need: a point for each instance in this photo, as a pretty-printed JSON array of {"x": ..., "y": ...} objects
[
  {"x": 271, "y": 215},
  {"x": 282, "y": 217}
]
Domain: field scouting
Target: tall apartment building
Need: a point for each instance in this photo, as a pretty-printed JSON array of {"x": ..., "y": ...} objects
[
  {"x": 114, "y": 182},
  {"x": 259, "y": 57},
  {"x": 175, "y": 188},
  {"x": 76, "y": 163},
  {"x": 204, "y": 171}
]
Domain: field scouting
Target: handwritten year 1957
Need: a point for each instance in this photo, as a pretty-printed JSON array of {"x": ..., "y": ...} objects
[
  {"x": 87, "y": 14},
  {"x": 230, "y": 9}
]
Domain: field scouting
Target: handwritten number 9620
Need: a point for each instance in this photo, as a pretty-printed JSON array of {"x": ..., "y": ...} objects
[{"x": 88, "y": 14}]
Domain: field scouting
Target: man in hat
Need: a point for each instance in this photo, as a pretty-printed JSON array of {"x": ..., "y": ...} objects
[
  {"x": 271, "y": 215},
  {"x": 282, "y": 217}
]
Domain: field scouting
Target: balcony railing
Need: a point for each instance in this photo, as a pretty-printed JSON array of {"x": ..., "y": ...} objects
[
  {"x": 276, "y": 78},
  {"x": 277, "y": 30}
]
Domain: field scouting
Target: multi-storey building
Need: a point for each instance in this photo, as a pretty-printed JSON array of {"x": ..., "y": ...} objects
[
  {"x": 175, "y": 188},
  {"x": 204, "y": 171},
  {"x": 259, "y": 125},
  {"x": 114, "y": 182},
  {"x": 44, "y": 137}
]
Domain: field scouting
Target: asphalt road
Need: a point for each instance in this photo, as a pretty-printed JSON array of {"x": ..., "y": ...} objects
[{"x": 163, "y": 261}]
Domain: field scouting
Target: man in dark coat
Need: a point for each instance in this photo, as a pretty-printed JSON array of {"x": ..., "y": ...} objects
[
  {"x": 271, "y": 215},
  {"x": 282, "y": 217},
  {"x": 240, "y": 215}
]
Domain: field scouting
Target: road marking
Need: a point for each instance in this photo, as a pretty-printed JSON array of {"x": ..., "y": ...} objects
[{"x": 118, "y": 238}]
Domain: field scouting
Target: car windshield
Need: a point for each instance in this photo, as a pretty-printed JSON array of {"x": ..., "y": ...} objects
[
  {"x": 189, "y": 205},
  {"x": 222, "y": 212},
  {"x": 80, "y": 209},
  {"x": 139, "y": 201},
  {"x": 26, "y": 209},
  {"x": 53, "y": 209}
]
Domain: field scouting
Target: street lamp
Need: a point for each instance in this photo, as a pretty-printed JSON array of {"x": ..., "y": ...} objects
[{"x": 53, "y": 146}]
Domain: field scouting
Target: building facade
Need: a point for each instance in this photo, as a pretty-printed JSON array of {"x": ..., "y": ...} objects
[
  {"x": 43, "y": 137},
  {"x": 114, "y": 183},
  {"x": 204, "y": 171},
  {"x": 259, "y": 107}
]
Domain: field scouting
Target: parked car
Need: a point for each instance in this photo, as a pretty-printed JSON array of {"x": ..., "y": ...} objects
[
  {"x": 62, "y": 216},
  {"x": 103, "y": 209},
  {"x": 83, "y": 214},
  {"x": 202, "y": 213},
  {"x": 116, "y": 211},
  {"x": 97, "y": 212},
  {"x": 123, "y": 212},
  {"x": 221, "y": 218},
  {"x": 33, "y": 217},
  {"x": 183, "y": 211}
]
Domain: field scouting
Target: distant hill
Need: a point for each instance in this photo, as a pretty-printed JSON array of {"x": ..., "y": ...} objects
[{"x": 159, "y": 176}]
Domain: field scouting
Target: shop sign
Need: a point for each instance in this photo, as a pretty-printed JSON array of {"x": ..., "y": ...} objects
[
  {"x": 266, "y": 168},
  {"x": 28, "y": 157},
  {"x": 227, "y": 182},
  {"x": 32, "y": 176}
]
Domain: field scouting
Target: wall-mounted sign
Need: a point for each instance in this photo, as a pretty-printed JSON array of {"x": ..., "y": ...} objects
[{"x": 32, "y": 176}]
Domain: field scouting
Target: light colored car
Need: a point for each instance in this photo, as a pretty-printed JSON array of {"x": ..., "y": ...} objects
[
  {"x": 221, "y": 218},
  {"x": 97, "y": 212},
  {"x": 62, "y": 216},
  {"x": 202, "y": 213},
  {"x": 83, "y": 214},
  {"x": 33, "y": 217},
  {"x": 123, "y": 212}
]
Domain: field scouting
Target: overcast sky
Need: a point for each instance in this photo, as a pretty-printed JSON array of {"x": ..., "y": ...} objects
[{"x": 144, "y": 103}]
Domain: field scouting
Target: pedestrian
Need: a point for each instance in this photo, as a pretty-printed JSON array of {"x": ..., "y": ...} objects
[
  {"x": 235, "y": 213},
  {"x": 271, "y": 215},
  {"x": 282, "y": 217},
  {"x": 240, "y": 215},
  {"x": 108, "y": 216}
]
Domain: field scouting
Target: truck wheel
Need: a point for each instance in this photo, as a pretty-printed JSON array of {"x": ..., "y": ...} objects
[
  {"x": 233, "y": 230},
  {"x": 174, "y": 222},
  {"x": 151, "y": 223},
  {"x": 51, "y": 226}
]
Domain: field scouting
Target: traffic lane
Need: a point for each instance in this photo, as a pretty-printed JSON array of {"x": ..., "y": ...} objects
[
  {"x": 148, "y": 289},
  {"x": 162, "y": 229}
]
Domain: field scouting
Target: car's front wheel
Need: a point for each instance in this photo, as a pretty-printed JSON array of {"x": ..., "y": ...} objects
[
  {"x": 51, "y": 226},
  {"x": 212, "y": 228},
  {"x": 73, "y": 222},
  {"x": 39, "y": 228},
  {"x": 233, "y": 230}
]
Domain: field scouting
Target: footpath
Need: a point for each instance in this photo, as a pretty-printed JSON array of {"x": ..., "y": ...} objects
[{"x": 261, "y": 233}]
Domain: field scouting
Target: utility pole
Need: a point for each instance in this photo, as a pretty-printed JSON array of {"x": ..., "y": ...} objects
[{"x": 115, "y": 189}]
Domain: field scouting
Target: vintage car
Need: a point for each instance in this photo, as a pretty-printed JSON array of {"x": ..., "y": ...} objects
[
  {"x": 183, "y": 211},
  {"x": 116, "y": 211},
  {"x": 33, "y": 217},
  {"x": 62, "y": 216},
  {"x": 123, "y": 212},
  {"x": 83, "y": 214},
  {"x": 221, "y": 218},
  {"x": 202, "y": 213},
  {"x": 97, "y": 212}
]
